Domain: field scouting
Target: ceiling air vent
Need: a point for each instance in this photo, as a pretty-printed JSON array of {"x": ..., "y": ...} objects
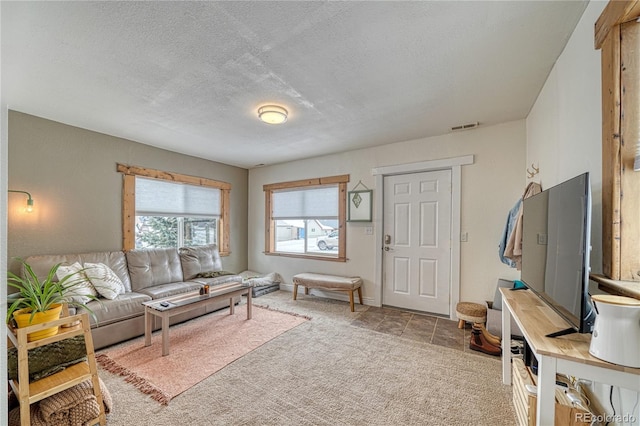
[{"x": 465, "y": 126}]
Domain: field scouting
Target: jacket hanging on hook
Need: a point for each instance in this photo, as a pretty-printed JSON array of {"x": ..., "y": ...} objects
[
  {"x": 512, "y": 218},
  {"x": 512, "y": 236}
]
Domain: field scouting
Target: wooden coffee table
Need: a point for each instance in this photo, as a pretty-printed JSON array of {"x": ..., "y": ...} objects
[{"x": 187, "y": 302}]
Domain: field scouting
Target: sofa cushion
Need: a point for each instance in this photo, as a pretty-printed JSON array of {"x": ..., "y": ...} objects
[
  {"x": 171, "y": 289},
  {"x": 125, "y": 306},
  {"x": 151, "y": 267},
  {"x": 199, "y": 259},
  {"x": 113, "y": 259}
]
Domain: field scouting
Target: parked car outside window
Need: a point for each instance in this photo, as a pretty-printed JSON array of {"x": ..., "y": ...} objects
[{"x": 328, "y": 242}]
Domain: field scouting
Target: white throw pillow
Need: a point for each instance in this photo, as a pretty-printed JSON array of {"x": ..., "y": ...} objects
[
  {"x": 82, "y": 287},
  {"x": 106, "y": 282}
]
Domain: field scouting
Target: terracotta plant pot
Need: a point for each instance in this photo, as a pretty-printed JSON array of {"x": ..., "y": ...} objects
[{"x": 23, "y": 319}]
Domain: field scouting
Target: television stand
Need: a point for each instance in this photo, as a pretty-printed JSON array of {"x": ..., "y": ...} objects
[{"x": 568, "y": 354}]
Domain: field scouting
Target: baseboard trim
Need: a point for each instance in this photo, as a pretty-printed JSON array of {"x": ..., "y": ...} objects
[{"x": 336, "y": 295}]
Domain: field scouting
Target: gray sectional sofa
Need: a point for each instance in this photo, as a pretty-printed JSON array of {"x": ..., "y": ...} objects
[{"x": 147, "y": 274}]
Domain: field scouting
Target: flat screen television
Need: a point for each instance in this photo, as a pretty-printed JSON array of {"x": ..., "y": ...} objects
[{"x": 556, "y": 245}]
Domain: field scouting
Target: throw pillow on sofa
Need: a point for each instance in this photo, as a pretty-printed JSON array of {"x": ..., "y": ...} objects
[
  {"x": 83, "y": 289},
  {"x": 106, "y": 282}
]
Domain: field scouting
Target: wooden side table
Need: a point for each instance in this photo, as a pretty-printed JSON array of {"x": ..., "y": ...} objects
[{"x": 31, "y": 392}]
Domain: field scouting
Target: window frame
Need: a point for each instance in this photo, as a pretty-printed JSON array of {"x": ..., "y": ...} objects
[
  {"x": 620, "y": 242},
  {"x": 129, "y": 202},
  {"x": 270, "y": 224}
]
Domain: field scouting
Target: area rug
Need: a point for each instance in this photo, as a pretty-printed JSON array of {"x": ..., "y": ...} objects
[{"x": 198, "y": 349}]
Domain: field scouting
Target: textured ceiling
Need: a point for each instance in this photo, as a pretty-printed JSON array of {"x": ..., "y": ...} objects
[{"x": 190, "y": 76}]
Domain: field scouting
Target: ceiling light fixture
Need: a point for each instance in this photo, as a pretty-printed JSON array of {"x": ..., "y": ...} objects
[{"x": 272, "y": 114}]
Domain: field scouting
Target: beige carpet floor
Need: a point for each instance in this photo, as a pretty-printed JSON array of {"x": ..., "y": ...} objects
[
  {"x": 229, "y": 337},
  {"x": 329, "y": 372}
]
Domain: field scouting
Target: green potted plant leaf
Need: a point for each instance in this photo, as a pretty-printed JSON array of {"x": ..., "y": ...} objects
[{"x": 40, "y": 300}]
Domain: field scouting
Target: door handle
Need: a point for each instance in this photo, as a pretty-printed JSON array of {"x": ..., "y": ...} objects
[{"x": 387, "y": 248}]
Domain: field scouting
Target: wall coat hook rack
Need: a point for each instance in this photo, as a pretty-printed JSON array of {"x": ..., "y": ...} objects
[{"x": 531, "y": 174}]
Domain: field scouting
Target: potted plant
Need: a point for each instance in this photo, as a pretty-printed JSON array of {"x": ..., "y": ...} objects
[{"x": 40, "y": 300}]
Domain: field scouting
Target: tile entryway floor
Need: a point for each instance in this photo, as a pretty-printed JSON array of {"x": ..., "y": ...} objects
[{"x": 420, "y": 327}]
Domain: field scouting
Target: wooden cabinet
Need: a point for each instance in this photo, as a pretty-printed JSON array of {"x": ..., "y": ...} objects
[{"x": 31, "y": 392}]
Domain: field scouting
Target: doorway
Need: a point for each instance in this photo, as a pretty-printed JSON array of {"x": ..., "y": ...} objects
[
  {"x": 454, "y": 164},
  {"x": 417, "y": 241}
]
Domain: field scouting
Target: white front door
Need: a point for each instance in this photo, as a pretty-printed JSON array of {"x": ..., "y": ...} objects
[{"x": 417, "y": 241}]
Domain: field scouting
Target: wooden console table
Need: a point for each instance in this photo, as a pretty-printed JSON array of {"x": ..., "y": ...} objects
[{"x": 565, "y": 354}]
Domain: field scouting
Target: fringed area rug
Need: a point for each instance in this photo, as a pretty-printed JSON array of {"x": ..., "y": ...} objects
[{"x": 198, "y": 349}]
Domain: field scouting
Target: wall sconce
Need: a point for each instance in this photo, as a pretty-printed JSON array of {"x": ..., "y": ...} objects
[{"x": 29, "y": 200}]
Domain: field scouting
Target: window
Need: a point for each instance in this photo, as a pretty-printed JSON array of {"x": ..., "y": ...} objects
[
  {"x": 307, "y": 218},
  {"x": 163, "y": 209},
  {"x": 170, "y": 214}
]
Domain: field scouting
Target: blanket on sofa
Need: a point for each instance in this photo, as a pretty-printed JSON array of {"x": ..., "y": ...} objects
[{"x": 256, "y": 279}]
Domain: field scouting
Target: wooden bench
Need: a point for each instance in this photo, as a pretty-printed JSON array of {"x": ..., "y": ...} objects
[{"x": 328, "y": 282}]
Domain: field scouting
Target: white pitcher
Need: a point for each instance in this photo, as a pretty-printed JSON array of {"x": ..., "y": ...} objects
[{"x": 616, "y": 333}]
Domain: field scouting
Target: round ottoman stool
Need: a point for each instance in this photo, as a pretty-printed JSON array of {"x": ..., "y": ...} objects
[{"x": 471, "y": 312}]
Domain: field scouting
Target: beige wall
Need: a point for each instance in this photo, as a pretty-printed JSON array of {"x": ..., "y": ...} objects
[
  {"x": 490, "y": 187},
  {"x": 564, "y": 136},
  {"x": 564, "y": 127},
  {"x": 71, "y": 174}
]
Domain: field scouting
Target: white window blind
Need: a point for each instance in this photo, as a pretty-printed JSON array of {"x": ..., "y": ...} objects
[
  {"x": 311, "y": 203},
  {"x": 163, "y": 198}
]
